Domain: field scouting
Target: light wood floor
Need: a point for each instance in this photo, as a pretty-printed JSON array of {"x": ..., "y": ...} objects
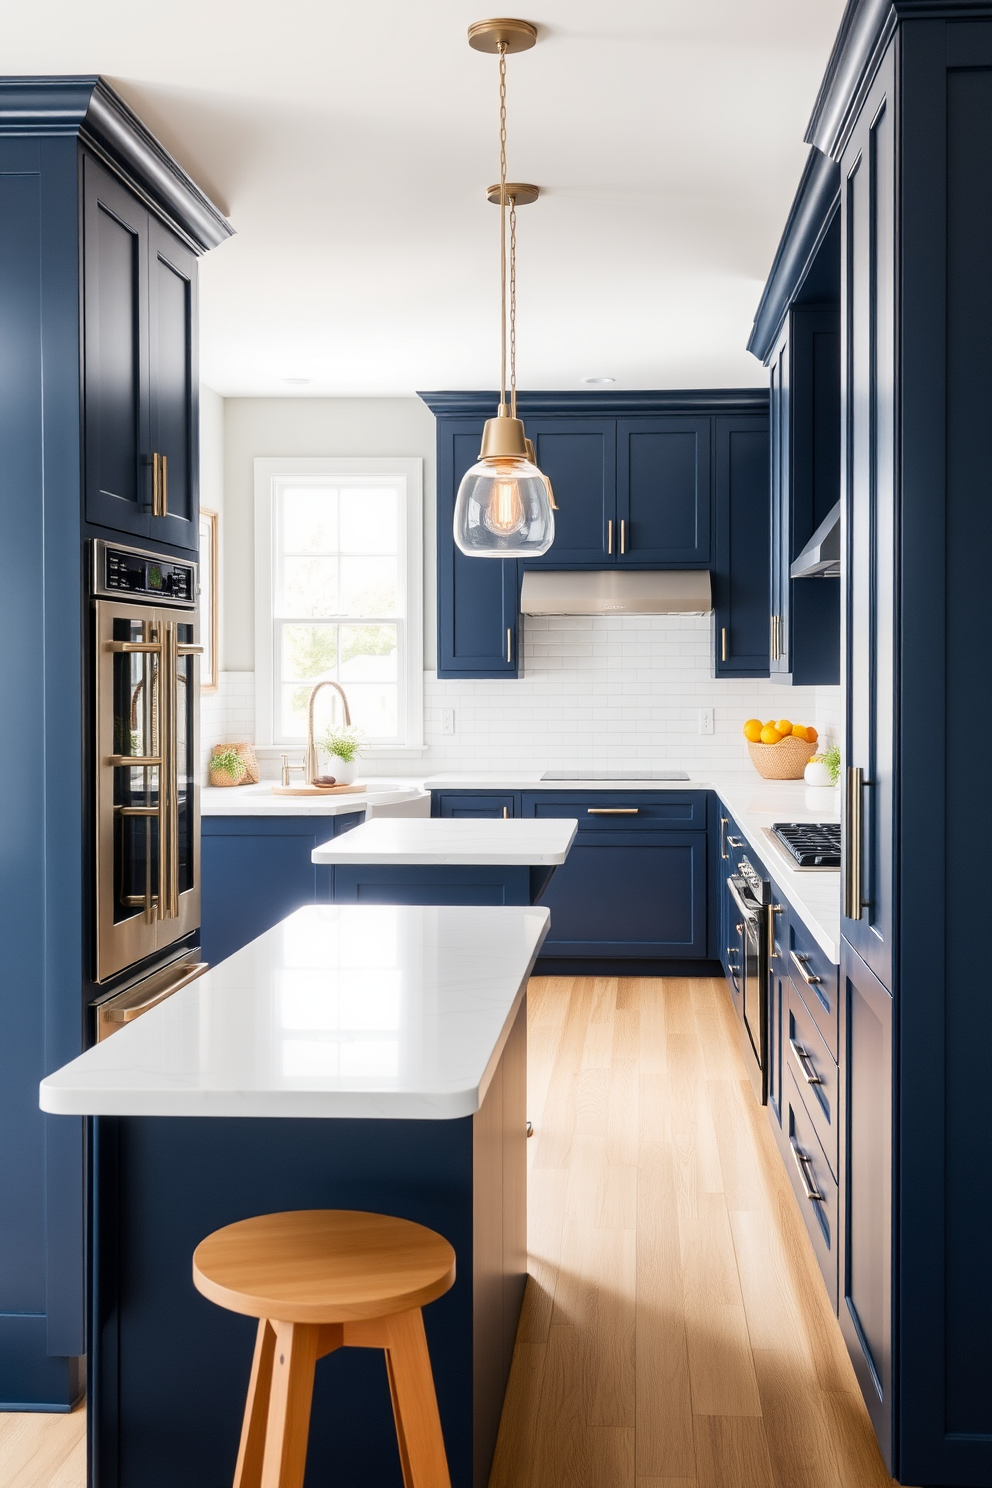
[{"x": 675, "y": 1331}]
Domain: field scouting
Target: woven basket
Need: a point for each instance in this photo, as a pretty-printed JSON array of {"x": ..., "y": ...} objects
[
  {"x": 785, "y": 760},
  {"x": 249, "y": 766}
]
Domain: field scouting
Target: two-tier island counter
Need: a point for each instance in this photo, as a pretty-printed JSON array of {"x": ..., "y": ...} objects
[{"x": 360, "y": 1057}]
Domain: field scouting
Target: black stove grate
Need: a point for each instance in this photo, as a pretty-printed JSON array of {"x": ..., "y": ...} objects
[{"x": 811, "y": 844}]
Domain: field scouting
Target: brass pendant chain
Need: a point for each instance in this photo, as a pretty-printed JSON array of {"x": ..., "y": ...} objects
[
  {"x": 513, "y": 307},
  {"x": 502, "y": 220}
]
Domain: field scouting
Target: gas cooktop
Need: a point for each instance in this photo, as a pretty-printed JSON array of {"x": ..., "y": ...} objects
[
  {"x": 810, "y": 844},
  {"x": 632, "y": 775}
]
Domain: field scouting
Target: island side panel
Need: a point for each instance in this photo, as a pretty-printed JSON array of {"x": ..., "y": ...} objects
[
  {"x": 500, "y": 1252},
  {"x": 170, "y": 1370}
]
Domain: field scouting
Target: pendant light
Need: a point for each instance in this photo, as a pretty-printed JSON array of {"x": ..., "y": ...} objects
[{"x": 504, "y": 507}]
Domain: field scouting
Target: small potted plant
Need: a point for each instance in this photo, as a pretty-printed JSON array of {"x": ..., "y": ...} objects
[
  {"x": 233, "y": 764},
  {"x": 343, "y": 746},
  {"x": 824, "y": 769}
]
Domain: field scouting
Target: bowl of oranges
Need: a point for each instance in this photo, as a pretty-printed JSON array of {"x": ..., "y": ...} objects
[{"x": 780, "y": 750}]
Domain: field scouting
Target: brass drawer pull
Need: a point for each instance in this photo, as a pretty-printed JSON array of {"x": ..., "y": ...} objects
[
  {"x": 805, "y": 1064},
  {"x": 735, "y": 841},
  {"x": 612, "y": 810},
  {"x": 804, "y": 1163},
  {"x": 799, "y": 961}
]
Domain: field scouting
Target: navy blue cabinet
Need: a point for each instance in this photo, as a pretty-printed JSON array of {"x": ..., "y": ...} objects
[
  {"x": 579, "y": 457},
  {"x": 663, "y": 492},
  {"x": 477, "y": 598},
  {"x": 255, "y": 870},
  {"x": 470, "y": 803},
  {"x": 740, "y": 570}
]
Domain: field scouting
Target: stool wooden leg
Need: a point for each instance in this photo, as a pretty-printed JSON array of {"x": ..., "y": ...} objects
[
  {"x": 411, "y": 1384},
  {"x": 248, "y": 1473},
  {"x": 288, "y": 1426}
]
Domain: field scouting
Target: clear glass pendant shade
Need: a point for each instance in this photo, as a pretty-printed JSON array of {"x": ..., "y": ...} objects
[{"x": 503, "y": 510}]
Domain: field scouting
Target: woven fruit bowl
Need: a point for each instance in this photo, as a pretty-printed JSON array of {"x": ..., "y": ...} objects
[{"x": 785, "y": 760}]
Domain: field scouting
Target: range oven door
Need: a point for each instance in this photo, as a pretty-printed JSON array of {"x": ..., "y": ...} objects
[
  {"x": 752, "y": 981},
  {"x": 147, "y": 869}
]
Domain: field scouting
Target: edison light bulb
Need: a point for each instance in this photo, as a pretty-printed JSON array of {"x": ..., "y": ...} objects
[{"x": 502, "y": 510}]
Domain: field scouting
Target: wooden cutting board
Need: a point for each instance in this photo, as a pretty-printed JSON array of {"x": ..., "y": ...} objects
[{"x": 317, "y": 790}]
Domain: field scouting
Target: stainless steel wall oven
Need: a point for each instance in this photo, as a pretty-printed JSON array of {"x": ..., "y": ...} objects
[{"x": 147, "y": 837}]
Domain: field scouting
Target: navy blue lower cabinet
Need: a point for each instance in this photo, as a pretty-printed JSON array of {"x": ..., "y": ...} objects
[
  {"x": 814, "y": 1184},
  {"x": 255, "y": 870},
  {"x": 488, "y": 804},
  {"x": 867, "y": 1158},
  {"x": 436, "y": 883}
]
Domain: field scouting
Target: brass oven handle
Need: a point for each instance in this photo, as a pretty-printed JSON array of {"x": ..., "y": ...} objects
[
  {"x": 184, "y": 650},
  {"x": 804, "y": 1163},
  {"x": 853, "y": 903},
  {"x": 107, "y": 1015},
  {"x": 127, "y": 647},
  {"x": 136, "y": 761},
  {"x": 773, "y": 910},
  {"x": 805, "y": 1064},
  {"x": 609, "y": 535},
  {"x": 168, "y": 793},
  {"x": 799, "y": 962},
  {"x": 612, "y": 810}
]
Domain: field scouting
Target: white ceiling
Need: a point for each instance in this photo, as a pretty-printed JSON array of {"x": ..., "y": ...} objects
[{"x": 351, "y": 146}]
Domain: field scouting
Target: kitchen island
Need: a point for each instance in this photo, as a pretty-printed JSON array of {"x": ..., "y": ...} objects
[
  {"x": 438, "y": 861},
  {"x": 364, "y": 1057}
]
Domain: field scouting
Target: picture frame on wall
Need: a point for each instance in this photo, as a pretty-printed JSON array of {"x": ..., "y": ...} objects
[{"x": 209, "y": 661}]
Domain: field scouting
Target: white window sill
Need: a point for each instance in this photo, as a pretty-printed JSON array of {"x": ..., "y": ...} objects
[{"x": 370, "y": 752}]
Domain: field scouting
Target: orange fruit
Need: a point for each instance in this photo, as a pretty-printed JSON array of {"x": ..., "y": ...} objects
[
  {"x": 798, "y": 731},
  {"x": 752, "y": 730},
  {"x": 811, "y": 734},
  {"x": 770, "y": 734},
  {"x": 784, "y": 727}
]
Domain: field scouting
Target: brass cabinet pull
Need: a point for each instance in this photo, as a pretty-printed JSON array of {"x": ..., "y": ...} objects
[
  {"x": 723, "y": 839},
  {"x": 773, "y": 910},
  {"x": 723, "y": 643},
  {"x": 506, "y": 813},
  {"x": 735, "y": 841},
  {"x": 160, "y": 485},
  {"x": 853, "y": 903},
  {"x": 612, "y": 810},
  {"x": 805, "y": 1063},
  {"x": 609, "y": 535},
  {"x": 509, "y": 646},
  {"x": 623, "y": 535},
  {"x": 804, "y": 1163},
  {"x": 799, "y": 962}
]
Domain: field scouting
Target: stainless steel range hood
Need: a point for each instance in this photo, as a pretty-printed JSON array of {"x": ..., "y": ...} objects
[
  {"x": 820, "y": 558},
  {"x": 615, "y": 591}
]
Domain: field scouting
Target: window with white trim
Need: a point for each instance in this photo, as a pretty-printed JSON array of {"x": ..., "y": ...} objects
[{"x": 338, "y": 595}]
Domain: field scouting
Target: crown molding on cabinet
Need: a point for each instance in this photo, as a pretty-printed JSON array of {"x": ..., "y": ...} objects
[
  {"x": 89, "y": 108},
  {"x": 816, "y": 201},
  {"x": 615, "y": 404}
]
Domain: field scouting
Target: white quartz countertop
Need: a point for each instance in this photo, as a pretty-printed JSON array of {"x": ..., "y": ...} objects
[
  {"x": 447, "y": 840},
  {"x": 340, "y": 1011},
  {"x": 755, "y": 805},
  {"x": 258, "y": 800}
]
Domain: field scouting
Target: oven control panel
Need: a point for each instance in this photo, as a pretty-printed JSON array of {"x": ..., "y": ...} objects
[{"x": 153, "y": 577}]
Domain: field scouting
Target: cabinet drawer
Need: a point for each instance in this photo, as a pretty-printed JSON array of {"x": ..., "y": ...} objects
[
  {"x": 681, "y": 811},
  {"x": 810, "y": 1175},
  {"x": 815, "y": 975},
  {"x": 485, "y": 804},
  {"x": 814, "y": 1072}
]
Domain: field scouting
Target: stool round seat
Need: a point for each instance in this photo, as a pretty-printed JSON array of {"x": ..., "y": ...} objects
[{"x": 323, "y": 1266}]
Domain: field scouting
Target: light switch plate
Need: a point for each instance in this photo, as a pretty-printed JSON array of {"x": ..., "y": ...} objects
[
  {"x": 706, "y": 720},
  {"x": 447, "y": 720}
]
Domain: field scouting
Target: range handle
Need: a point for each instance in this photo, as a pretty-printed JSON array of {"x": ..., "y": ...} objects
[{"x": 117, "y": 1011}]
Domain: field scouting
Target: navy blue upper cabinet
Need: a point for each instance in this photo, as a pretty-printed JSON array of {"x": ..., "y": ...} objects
[
  {"x": 579, "y": 458},
  {"x": 740, "y": 572},
  {"x": 663, "y": 492},
  {"x": 477, "y": 606},
  {"x": 139, "y": 335}
]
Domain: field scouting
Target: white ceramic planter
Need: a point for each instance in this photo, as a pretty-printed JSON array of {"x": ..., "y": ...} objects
[
  {"x": 816, "y": 773},
  {"x": 343, "y": 772}
]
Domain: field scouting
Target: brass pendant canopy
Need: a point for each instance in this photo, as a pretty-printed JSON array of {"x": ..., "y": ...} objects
[
  {"x": 516, "y": 36},
  {"x": 520, "y": 193}
]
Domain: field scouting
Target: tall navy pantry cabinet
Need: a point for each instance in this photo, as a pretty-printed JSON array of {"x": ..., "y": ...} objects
[
  {"x": 653, "y": 480},
  {"x": 99, "y": 234},
  {"x": 905, "y": 113}
]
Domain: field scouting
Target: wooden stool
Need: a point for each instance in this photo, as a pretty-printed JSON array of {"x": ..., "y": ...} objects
[{"x": 317, "y": 1280}]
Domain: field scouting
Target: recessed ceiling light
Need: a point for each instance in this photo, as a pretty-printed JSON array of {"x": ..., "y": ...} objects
[
  {"x": 297, "y": 381},
  {"x": 598, "y": 381}
]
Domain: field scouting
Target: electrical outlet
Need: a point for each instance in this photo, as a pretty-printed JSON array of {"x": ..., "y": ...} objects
[
  {"x": 447, "y": 720},
  {"x": 706, "y": 720}
]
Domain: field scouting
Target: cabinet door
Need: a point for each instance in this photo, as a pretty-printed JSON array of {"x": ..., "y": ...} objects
[
  {"x": 866, "y": 1175},
  {"x": 173, "y": 405},
  {"x": 115, "y": 353},
  {"x": 869, "y": 441},
  {"x": 778, "y": 606},
  {"x": 663, "y": 491},
  {"x": 491, "y": 804},
  {"x": 740, "y": 578},
  {"x": 811, "y": 637},
  {"x": 477, "y": 598},
  {"x": 579, "y": 458}
]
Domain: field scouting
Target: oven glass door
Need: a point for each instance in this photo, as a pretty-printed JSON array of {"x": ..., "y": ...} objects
[
  {"x": 147, "y": 847},
  {"x": 752, "y": 1000}
]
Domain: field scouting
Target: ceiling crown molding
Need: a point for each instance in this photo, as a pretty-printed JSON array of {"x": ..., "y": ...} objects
[
  {"x": 812, "y": 211},
  {"x": 89, "y": 108},
  {"x": 615, "y": 404}
]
